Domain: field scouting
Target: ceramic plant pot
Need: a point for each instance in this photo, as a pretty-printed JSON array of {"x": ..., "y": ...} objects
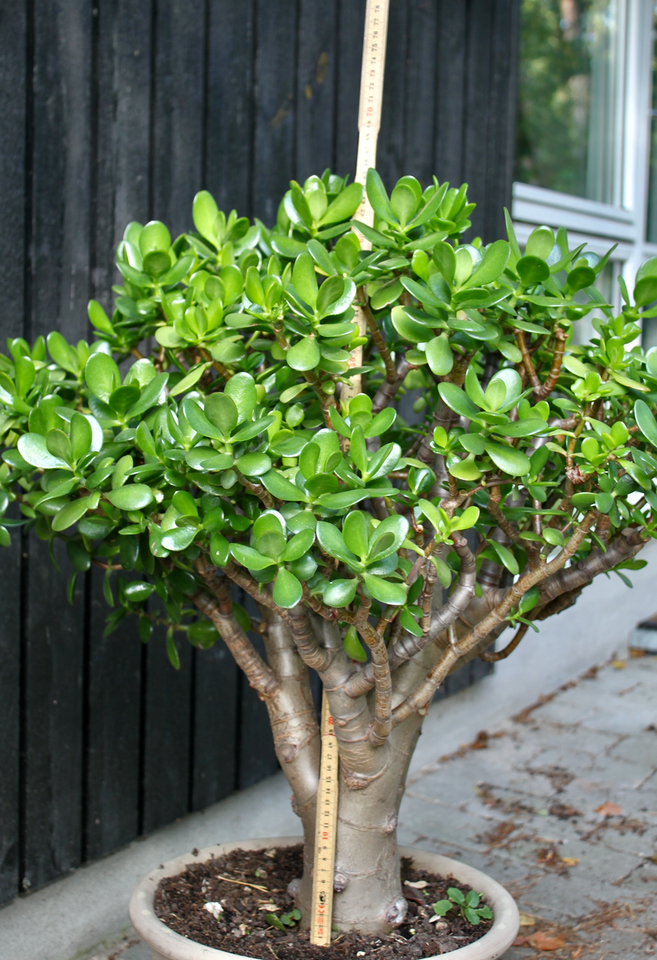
[{"x": 167, "y": 945}]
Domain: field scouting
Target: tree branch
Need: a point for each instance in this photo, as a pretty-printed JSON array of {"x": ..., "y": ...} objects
[
  {"x": 494, "y": 619},
  {"x": 498, "y": 655},
  {"x": 557, "y": 358},
  {"x": 381, "y": 724},
  {"x": 219, "y": 609},
  {"x": 527, "y": 361},
  {"x": 377, "y": 336},
  {"x": 387, "y": 391},
  {"x": 312, "y": 654},
  {"x": 407, "y": 645}
]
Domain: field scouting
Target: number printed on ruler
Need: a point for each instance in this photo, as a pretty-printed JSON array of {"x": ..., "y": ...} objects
[{"x": 327, "y": 809}]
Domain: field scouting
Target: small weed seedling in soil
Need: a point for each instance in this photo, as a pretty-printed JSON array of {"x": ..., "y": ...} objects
[
  {"x": 285, "y": 920},
  {"x": 255, "y": 922},
  {"x": 465, "y": 904}
]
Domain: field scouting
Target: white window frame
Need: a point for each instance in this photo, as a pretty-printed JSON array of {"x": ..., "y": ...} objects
[{"x": 600, "y": 224}]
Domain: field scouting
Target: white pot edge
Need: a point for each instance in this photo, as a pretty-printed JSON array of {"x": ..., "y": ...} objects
[{"x": 168, "y": 945}]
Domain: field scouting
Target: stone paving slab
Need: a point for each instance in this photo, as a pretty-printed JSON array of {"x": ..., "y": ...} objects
[{"x": 559, "y": 805}]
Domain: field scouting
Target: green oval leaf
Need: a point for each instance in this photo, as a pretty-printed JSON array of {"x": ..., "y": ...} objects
[
  {"x": 339, "y": 593},
  {"x": 287, "y": 590},
  {"x": 304, "y": 355},
  {"x": 492, "y": 266},
  {"x": 642, "y": 414},
  {"x": 532, "y": 270},
  {"x": 33, "y": 449},
  {"x": 242, "y": 391},
  {"x": 344, "y": 206},
  {"x": 280, "y": 487},
  {"x": 253, "y": 464},
  {"x": 70, "y": 514},
  {"x": 287, "y": 247},
  {"x": 352, "y": 645},
  {"x": 439, "y": 355},
  {"x": 133, "y": 496},
  {"x": 508, "y": 459},
  {"x": 332, "y": 542},
  {"x": 102, "y": 376},
  {"x": 154, "y": 237},
  {"x": 249, "y": 557},
  {"x": 457, "y": 400},
  {"x": 204, "y": 214},
  {"x": 304, "y": 278},
  {"x": 385, "y": 591}
]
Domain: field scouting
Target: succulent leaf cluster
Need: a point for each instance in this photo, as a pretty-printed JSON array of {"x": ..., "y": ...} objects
[{"x": 208, "y": 419}]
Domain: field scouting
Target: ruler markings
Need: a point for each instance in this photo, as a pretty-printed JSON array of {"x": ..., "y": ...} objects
[
  {"x": 325, "y": 829},
  {"x": 369, "y": 123}
]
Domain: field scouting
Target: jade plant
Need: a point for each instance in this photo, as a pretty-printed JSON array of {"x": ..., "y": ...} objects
[{"x": 214, "y": 435}]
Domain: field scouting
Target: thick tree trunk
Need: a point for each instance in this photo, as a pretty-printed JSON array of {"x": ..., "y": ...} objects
[{"x": 368, "y": 896}]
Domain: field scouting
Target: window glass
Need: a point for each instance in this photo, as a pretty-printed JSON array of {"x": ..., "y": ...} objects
[
  {"x": 568, "y": 90},
  {"x": 607, "y": 284},
  {"x": 651, "y": 224}
]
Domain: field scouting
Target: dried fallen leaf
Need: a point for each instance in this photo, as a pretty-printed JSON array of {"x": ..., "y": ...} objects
[
  {"x": 520, "y": 942},
  {"x": 570, "y": 861},
  {"x": 609, "y": 809},
  {"x": 416, "y": 884},
  {"x": 527, "y": 920},
  {"x": 541, "y": 941},
  {"x": 618, "y": 664}
]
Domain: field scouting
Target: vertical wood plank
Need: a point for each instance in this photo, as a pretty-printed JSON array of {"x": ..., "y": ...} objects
[
  {"x": 229, "y": 118},
  {"x": 13, "y": 78},
  {"x": 123, "y": 125},
  {"x": 122, "y": 194},
  {"x": 420, "y": 94},
  {"x": 215, "y": 726},
  {"x": 391, "y": 149},
  {"x": 257, "y": 757},
  {"x": 177, "y": 164},
  {"x": 113, "y": 773},
  {"x": 316, "y": 87},
  {"x": 275, "y": 105},
  {"x": 503, "y": 111},
  {"x": 450, "y": 91},
  {"x": 53, "y": 722},
  {"x": 167, "y": 733},
  {"x": 477, "y": 121},
  {"x": 59, "y": 274},
  {"x": 58, "y": 283},
  {"x": 349, "y": 51},
  {"x": 178, "y": 105}
]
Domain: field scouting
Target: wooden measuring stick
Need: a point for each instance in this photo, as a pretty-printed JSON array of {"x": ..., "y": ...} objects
[
  {"x": 369, "y": 124},
  {"x": 325, "y": 830}
]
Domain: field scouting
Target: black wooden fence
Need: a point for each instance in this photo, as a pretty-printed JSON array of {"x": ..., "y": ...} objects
[{"x": 114, "y": 110}]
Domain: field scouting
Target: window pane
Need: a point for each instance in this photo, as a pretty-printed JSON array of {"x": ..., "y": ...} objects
[
  {"x": 607, "y": 284},
  {"x": 651, "y": 226},
  {"x": 568, "y": 90}
]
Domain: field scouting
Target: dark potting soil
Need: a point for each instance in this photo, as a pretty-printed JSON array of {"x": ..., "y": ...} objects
[{"x": 241, "y": 925}]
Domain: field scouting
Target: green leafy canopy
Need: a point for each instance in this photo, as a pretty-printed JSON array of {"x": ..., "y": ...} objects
[{"x": 238, "y": 443}]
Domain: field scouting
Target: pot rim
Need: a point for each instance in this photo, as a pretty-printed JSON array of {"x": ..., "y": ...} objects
[{"x": 169, "y": 945}]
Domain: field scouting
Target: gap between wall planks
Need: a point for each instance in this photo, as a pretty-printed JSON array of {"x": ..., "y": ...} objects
[{"x": 97, "y": 129}]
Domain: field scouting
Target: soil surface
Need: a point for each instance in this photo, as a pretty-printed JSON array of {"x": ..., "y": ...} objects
[{"x": 235, "y": 918}]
